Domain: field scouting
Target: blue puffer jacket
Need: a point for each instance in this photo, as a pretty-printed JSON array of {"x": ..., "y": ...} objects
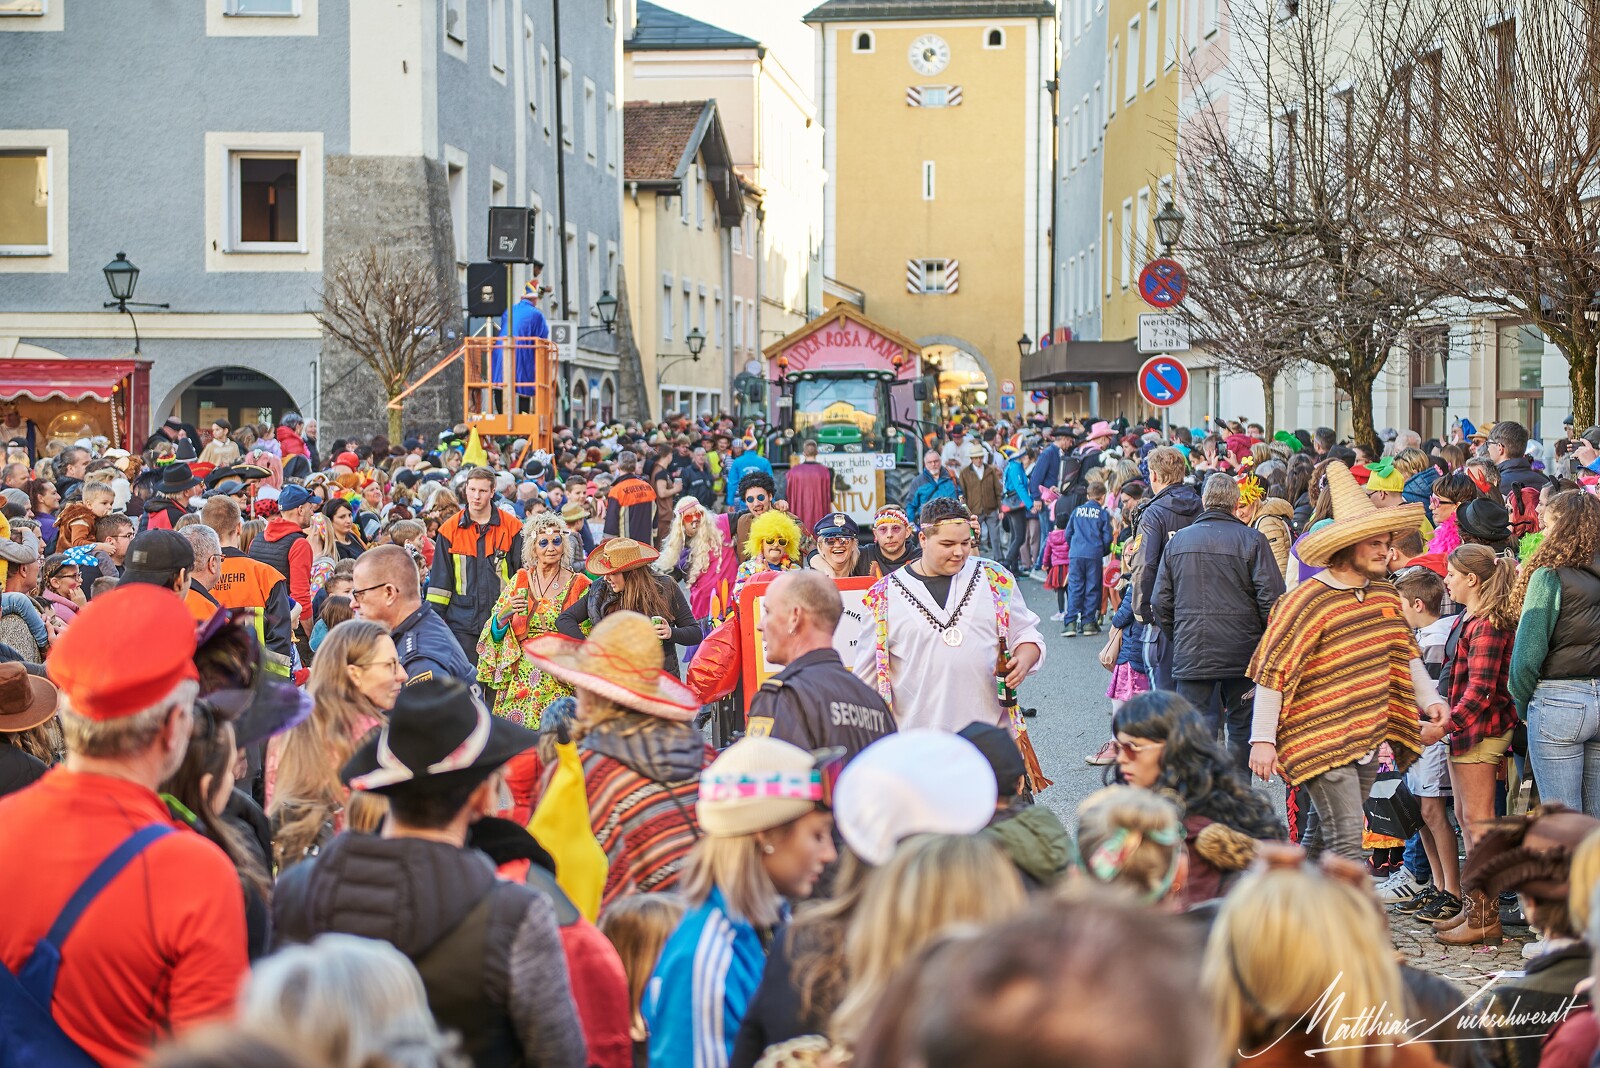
[
  {"x": 927, "y": 489},
  {"x": 1089, "y": 532},
  {"x": 1419, "y": 488}
]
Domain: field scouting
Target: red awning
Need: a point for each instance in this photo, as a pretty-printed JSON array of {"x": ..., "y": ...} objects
[{"x": 73, "y": 380}]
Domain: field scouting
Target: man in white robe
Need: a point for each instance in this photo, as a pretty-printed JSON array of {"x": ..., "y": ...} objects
[{"x": 934, "y": 658}]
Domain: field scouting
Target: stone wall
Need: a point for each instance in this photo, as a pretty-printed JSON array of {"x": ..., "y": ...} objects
[{"x": 402, "y": 204}]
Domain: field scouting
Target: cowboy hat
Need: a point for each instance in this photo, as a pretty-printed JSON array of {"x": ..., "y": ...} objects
[
  {"x": 619, "y": 554},
  {"x": 1355, "y": 519},
  {"x": 25, "y": 700},
  {"x": 439, "y": 735},
  {"x": 572, "y": 512},
  {"x": 620, "y": 661},
  {"x": 1102, "y": 429},
  {"x": 175, "y": 478}
]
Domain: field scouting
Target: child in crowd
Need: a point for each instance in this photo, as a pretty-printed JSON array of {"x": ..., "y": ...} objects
[
  {"x": 335, "y": 610},
  {"x": 638, "y": 926},
  {"x": 75, "y": 524},
  {"x": 1056, "y": 555},
  {"x": 1421, "y": 598},
  {"x": 1089, "y": 539}
]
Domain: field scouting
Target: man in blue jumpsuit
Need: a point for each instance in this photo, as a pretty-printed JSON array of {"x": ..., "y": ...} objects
[{"x": 524, "y": 320}]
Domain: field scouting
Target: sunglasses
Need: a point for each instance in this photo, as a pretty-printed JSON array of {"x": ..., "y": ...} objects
[
  {"x": 755, "y": 498},
  {"x": 548, "y": 543},
  {"x": 1133, "y": 749}
]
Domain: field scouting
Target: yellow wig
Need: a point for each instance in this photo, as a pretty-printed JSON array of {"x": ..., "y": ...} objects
[{"x": 773, "y": 524}]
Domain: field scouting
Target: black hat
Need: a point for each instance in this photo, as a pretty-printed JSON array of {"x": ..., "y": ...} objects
[
  {"x": 1000, "y": 750},
  {"x": 156, "y": 557},
  {"x": 439, "y": 735},
  {"x": 175, "y": 478},
  {"x": 1484, "y": 518},
  {"x": 406, "y": 477},
  {"x": 1061, "y": 432},
  {"x": 226, "y": 488}
]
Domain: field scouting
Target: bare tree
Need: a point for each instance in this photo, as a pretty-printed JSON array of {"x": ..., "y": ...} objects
[
  {"x": 1495, "y": 154},
  {"x": 1288, "y": 171},
  {"x": 394, "y": 312}
]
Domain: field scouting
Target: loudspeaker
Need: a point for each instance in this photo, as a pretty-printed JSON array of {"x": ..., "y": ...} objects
[
  {"x": 486, "y": 289},
  {"x": 511, "y": 234}
]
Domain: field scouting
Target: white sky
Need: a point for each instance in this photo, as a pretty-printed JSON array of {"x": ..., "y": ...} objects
[{"x": 775, "y": 23}]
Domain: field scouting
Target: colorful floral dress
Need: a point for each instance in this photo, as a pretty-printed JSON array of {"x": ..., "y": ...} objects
[{"x": 521, "y": 691}]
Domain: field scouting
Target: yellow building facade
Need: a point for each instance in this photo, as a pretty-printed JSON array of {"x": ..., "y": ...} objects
[
  {"x": 938, "y": 152},
  {"x": 1139, "y": 151}
]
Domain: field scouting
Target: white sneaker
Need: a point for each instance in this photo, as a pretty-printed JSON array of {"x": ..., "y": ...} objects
[
  {"x": 1401, "y": 886},
  {"x": 1058, "y": 617}
]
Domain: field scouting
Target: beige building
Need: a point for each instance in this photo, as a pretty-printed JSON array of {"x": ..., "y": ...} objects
[
  {"x": 776, "y": 144},
  {"x": 681, "y": 205}
]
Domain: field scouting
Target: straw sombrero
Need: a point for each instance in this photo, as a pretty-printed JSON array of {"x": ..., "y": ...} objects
[
  {"x": 621, "y": 661},
  {"x": 1355, "y": 519},
  {"x": 619, "y": 554}
]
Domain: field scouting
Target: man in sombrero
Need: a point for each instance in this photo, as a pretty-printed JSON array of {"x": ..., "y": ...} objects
[{"x": 1338, "y": 672}]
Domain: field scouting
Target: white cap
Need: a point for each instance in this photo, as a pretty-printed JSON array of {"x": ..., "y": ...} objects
[{"x": 917, "y": 781}]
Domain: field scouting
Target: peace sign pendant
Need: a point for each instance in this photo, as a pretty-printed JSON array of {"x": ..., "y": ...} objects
[{"x": 952, "y": 637}]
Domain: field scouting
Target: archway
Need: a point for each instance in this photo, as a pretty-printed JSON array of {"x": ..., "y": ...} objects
[
  {"x": 608, "y": 399},
  {"x": 970, "y": 371},
  {"x": 580, "y": 396},
  {"x": 242, "y": 395}
]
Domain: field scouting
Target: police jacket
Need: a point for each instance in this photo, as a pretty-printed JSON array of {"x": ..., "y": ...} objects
[
  {"x": 428, "y": 649},
  {"x": 471, "y": 563},
  {"x": 815, "y": 702},
  {"x": 1088, "y": 532}
]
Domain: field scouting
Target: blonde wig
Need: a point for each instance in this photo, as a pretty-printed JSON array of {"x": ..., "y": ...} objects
[
  {"x": 706, "y": 544},
  {"x": 931, "y": 884},
  {"x": 1287, "y": 939}
]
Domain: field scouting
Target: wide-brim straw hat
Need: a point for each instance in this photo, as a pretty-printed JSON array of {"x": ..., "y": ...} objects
[
  {"x": 1355, "y": 519},
  {"x": 620, "y": 661},
  {"x": 619, "y": 554}
]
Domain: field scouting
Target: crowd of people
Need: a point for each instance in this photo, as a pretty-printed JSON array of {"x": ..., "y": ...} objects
[{"x": 376, "y": 755}]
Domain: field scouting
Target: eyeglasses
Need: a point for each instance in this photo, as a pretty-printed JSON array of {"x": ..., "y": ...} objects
[
  {"x": 1133, "y": 749},
  {"x": 754, "y": 498},
  {"x": 391, "y": 664},
  {"x": 356, "y": 595}
]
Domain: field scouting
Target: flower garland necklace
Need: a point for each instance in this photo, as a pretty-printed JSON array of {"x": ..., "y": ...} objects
[{"x": 949, "y": 633}]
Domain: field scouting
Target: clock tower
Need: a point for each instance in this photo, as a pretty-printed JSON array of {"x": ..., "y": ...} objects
[{"x": 937, "y": 132}]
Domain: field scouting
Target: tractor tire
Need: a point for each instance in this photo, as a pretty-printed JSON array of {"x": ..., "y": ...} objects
[{"x": 897, "y": 484}]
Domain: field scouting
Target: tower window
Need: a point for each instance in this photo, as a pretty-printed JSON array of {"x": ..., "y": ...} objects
[
  {"x": 864, "y": 42},
  {"x": 994, "y": 38}
]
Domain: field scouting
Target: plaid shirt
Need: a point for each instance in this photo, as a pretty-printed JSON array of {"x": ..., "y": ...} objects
[{"x": 1475, "y": 685}]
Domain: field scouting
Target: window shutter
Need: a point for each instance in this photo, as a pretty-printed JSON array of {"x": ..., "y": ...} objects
[
  {"x": 953, "y": 100},
  {"x": 913, "y": 276},
  {"x": 913, "y": 96},
  {"x": 952, "y": 275}
]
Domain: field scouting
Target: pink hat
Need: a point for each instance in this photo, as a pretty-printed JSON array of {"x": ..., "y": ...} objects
[{"x": 1102, "y": 429}]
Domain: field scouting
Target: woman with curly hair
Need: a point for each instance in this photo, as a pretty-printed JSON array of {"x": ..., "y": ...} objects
[
  {"x": 1555, "y": 661},
  {"x": 1162, "y": 744},
  {"x": 544, "y": 587}
]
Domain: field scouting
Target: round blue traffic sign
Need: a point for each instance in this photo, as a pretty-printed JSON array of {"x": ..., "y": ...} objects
[
  {"x": 1163, "y": 283},
  {"x": 1163, "y": 381}
]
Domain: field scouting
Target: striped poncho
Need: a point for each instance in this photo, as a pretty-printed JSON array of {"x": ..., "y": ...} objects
[{"x": 1341, "y": 659}]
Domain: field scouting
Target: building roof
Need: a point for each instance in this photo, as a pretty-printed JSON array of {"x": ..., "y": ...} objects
[
  {"x": 925, "y": 10},
  {"x": 660, "y": 141},
  {"x": 656, "y": 138},
  {"x": 658, "y": 29}
]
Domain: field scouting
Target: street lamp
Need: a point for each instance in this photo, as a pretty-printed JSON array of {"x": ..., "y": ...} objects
[
  {"x": 607, "y": 309},
  {"x": 121, "y": 278},
  {"x": 1169, "y": 224},
  {"x": 697, "y": 345},
  {"x": 1024, "y": 344}
]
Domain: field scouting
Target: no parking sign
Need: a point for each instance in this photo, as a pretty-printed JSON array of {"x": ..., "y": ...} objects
[{"x": 1163, "y": 381}]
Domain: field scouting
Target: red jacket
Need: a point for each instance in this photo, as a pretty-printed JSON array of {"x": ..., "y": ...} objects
[
  {"x": 160, "y": 950},
  {"x": 291, "y": 444},
  {"x": 296, "y": 567}
]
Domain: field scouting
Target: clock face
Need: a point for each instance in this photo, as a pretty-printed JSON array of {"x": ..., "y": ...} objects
[{"x": 929, "y": 54}]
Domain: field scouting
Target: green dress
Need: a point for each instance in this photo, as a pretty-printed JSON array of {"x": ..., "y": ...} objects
[{"x": 521, "y": 691}]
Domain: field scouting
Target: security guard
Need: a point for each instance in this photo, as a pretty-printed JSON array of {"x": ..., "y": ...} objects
[
  {"x": 387, "y": 591},
  {"x": 814, "y": 702}
]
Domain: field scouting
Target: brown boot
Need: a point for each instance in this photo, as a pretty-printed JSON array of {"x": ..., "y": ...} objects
[{"x": 1482, "y": 925}]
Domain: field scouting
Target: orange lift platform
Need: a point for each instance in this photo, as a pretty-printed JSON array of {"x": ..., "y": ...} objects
[{"x": 509, "y": 407}]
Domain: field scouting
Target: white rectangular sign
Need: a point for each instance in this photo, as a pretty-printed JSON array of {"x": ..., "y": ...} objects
[
  {"x": 564, "y": 336},
  {"x": 861, "y": 473},
  {"x": 1163, "y": 332}
]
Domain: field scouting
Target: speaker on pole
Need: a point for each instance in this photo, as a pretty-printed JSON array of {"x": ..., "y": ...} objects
[
  {"x": 486, "y": 290},
  {"x": 511, "y": 233}
]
